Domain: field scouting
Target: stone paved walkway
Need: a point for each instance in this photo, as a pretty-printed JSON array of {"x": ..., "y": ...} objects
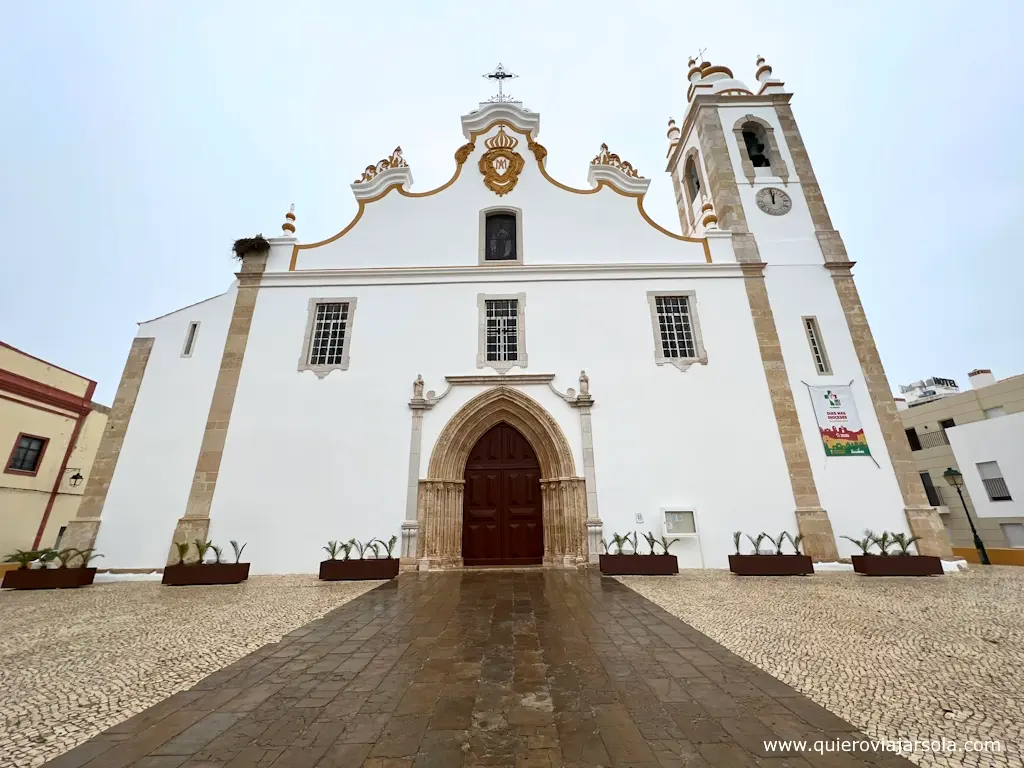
[
  {"x": 481, "y": 668},
  {"x": 74, "y": 662}
]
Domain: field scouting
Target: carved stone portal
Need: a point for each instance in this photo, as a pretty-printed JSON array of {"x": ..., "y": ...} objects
[{"x": 563, "y": 493}]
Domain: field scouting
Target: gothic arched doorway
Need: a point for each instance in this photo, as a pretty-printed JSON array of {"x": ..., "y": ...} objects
[
  {"x": 563, "y": 496},
  {"x": 502, "y": 521}
]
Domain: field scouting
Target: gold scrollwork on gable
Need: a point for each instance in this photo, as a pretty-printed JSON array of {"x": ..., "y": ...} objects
[
  {"x": 394, "y": 161},
  {"x": 604, "y": 157},
  {"x": 501, "y": 164}
]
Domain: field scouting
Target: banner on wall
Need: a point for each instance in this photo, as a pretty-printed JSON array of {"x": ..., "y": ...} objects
[{"x": 838, "y": 421}]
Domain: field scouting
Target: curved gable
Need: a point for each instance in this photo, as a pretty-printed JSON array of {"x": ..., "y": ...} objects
[{"x": 395, "y": 226}]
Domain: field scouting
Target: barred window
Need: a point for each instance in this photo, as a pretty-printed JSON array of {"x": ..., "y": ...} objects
[
  {"x": 818, "y": 353},
  {"x": 677, "y": 339},
  {"x": 674, "y": 326},
  {"x": 502, "y": 330},
  {"x": 27, "y": 454},
  {"x": 328, "y": 335},
  {"x": 502, "y": 340}
]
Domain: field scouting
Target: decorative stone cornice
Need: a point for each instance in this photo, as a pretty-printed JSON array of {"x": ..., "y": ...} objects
[
  {"x": 474, "y": 273},
  {"x": 502, "y": 379},
  {"x": 839, "y": 267},
  {"x": 491, "y": 112}
]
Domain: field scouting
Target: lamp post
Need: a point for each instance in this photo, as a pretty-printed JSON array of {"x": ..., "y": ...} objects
[{"x": 955, "y": 479}]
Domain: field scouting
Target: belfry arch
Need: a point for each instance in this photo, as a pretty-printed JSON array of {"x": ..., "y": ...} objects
[{"x": 440, "y": 496}]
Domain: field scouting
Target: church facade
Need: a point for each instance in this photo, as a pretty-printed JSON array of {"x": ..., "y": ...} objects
[{"x": 547, "y": 367}]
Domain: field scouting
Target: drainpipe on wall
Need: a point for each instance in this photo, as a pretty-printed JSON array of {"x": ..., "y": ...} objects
[{"x": 76, "y": 430}]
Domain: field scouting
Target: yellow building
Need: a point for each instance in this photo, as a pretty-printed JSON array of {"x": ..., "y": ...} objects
[{"x": 49, "y": 431}]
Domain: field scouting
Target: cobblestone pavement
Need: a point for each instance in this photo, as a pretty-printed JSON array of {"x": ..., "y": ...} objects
[
  {"x": 76, "y": 661},
  {"x": 915, "y": 659},
  {"x": 543, "y": 669}
]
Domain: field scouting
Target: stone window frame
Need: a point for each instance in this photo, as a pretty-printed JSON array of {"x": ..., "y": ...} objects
[
  {"x": 323, "y": 370},
  {"x": 501, "y": 366},
  {"x": 809, "y": 321},
  {"x": 682, "y": 363},
  {"x": 191, "y": 337},
  {"x": 779, "y": 168},
  {"x": 509, "y": 210}
]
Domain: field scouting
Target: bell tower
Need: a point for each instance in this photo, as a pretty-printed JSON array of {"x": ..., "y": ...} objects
[{"x": 740, "y": 148}]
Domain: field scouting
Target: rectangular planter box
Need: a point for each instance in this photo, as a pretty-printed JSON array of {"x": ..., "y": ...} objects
[
  {"x": 193, "y": 574},
  {"x": 771, "y": 565},
  {"x": 359, "y": 570},
  {"x": 639, "y": 565},
  {"x": 48, "y": 578},
  {"x": 897, "y": 565}
]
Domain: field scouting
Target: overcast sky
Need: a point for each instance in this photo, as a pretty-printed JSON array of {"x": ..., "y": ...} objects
[{"x": 140, "y": 139}]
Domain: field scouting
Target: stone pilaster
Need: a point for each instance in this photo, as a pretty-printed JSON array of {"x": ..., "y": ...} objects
[
  {"x": 923, "y": 519},
  {"x": 440, "y": 522},
  {"x": 594, "y": 526},
  {"x": 564, "y": 513},
  {"x": 812, "y": 521},
  {"x": 410, "y": 527},
  {"x": 196, "y": 521},
  {"x": 83, "y": 528}
]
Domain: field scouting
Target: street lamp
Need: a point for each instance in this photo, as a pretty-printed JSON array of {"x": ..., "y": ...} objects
[
  {"x": 76, "y": 479},
  {"x": 955, "y": 479}
]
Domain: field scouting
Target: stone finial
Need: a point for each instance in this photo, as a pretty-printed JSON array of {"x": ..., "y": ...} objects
[
  {"x": 289, "y": 222},
  {"x": 764, "y": 77},
  {"x": 707, "y": 212},
  {"x": 693, "y": 75},
  {"x": 673, "y": 131}
]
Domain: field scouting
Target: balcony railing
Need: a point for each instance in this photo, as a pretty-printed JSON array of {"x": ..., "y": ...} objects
[
  {"x": 997, "y": 490},
  {"x": 932, "y": 439}
]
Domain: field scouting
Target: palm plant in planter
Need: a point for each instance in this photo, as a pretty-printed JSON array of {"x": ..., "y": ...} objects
[
  {"x": 773, "y": 563},
  {"x": 203, "y": 572},
  {"x": 67, "y": 575},
  {"x": 632, "y": 563},
  {"x": 885, "y": 563},
  {"x": 362, "y": 568}
]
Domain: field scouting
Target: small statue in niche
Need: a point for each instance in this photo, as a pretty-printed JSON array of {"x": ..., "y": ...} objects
[
  {"x": 584, "y": 384},
  {"x": 417, "y": 387}
]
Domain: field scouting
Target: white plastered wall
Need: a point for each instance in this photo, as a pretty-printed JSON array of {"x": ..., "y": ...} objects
[{"x": 150, "y": 485}]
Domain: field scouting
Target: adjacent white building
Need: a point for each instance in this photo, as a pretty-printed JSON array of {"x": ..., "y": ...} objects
[
  {"x": 990, "y": 455},
  {"x": 508, "y": 369}
]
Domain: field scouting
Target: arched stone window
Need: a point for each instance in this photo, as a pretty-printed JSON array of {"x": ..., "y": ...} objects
[
  {"x": 693, "y": 187},
  {"x": 756, "y": 144},
  {"x": 755, "y": 137}
]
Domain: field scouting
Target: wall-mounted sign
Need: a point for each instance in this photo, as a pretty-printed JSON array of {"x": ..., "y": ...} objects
[{"x": 838, "y": 421}]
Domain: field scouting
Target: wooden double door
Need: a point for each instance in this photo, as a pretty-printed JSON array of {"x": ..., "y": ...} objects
[{"x": 502, "y": 522}]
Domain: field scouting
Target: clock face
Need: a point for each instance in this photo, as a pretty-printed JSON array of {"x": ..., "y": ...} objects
[{"x": 774, "y": 201}]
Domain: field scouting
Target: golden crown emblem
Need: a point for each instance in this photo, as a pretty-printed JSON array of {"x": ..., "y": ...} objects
[{"x": 501, "y": 140}]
